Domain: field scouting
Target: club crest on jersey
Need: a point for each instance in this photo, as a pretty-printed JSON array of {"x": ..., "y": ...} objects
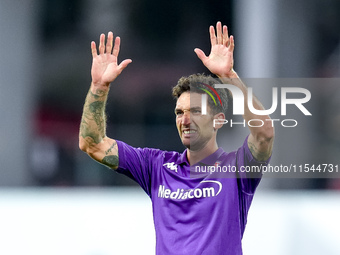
[{"x": 171, "y": 166}]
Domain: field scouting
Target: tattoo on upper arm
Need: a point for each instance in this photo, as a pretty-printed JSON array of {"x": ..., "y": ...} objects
[
  {"x": 111, "y": 160},
  {"x": 111, "y": 148},
  {"x": 258, "y": 155}
]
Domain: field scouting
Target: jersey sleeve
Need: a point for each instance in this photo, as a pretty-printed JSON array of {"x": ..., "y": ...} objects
[
  {"x": 250, "y": 172},
  {"x": 136, "y": 163}
]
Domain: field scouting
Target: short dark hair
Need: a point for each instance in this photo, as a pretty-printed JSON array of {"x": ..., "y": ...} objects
[{"x": 196, "y": 83}]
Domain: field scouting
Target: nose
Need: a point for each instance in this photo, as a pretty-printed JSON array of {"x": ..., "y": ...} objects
[{"x": 186, "y": 117}]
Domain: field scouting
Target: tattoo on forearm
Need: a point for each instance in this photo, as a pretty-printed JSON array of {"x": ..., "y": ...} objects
[
  {"x": 93, "y": 123},
  {"x": 99, "y": 93},
  {"x": 97, "y": 110},
  {"x": 258, "y": 155},
  {"x": 88, "y": 134}
]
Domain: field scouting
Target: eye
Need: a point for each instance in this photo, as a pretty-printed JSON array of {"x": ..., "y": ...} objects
[
  {"x": 179, "y": 113},
  {"x": 196, "y": 111}
]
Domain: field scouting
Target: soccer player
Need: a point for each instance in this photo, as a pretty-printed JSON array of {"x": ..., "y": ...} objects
[{"x": 193, "y": 214}]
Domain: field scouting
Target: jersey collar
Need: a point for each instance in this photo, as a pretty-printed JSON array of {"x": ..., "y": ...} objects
[{"x": 210, "y": 160}]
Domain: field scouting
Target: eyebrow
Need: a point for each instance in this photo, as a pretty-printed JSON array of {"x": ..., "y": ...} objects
[{"x": 190, "y": 109}]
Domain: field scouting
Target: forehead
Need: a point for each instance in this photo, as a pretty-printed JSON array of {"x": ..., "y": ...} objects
[{"x": 189, "y": 100}]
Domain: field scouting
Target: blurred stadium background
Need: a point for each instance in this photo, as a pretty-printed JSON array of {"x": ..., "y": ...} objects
[{"x": 56, "y": 200}]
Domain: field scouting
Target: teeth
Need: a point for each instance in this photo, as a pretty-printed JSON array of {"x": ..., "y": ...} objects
[{"x": 189, "y": 131}]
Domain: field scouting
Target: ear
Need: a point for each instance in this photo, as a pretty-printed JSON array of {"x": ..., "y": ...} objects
[{"x": 219, "y": 120}]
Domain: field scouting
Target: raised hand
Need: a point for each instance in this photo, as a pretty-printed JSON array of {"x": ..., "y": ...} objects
[
  {"x": 220, "y": 60},
  {"x": 105, "y": 68}
]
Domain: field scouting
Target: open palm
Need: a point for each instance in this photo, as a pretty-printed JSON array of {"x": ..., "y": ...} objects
[
  {"x": 105, "y": 68},
  {"x": 220, "y": 60}
]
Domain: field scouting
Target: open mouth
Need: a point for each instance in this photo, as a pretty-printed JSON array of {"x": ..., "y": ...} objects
[{"x": 186, "y": 132}]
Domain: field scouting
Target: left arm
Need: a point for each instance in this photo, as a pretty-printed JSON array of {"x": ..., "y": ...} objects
[{"x": 221, "y": 62}]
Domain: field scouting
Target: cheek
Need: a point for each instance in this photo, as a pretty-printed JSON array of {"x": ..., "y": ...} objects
[
  {"x": 178, "y": 123},
  {"x": 209, "y": 126}
]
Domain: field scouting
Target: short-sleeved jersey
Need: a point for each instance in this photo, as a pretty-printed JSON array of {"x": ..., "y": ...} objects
[{"x": 193, "y": 214}]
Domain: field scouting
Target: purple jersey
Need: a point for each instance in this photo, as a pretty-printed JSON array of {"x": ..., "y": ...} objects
[{"x": 203, "y": 214}]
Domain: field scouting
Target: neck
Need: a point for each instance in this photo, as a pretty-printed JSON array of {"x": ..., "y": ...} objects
[{"x": 195, "y": 156}]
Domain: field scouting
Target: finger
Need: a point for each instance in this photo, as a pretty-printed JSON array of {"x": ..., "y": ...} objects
[
  {"x": 116, "y": 47},
  {"x": 212, "y": 35},
  {"x": 109, "y": 42},
  {"x": 124, "y": 64},
  {"x": 200, "y": 54},
  {"x": 102, "y": 44},
  {"x": 93, "y": 49},
  {"x": 231, "y": 44},
  {"x": 225, "y": 36},
  {"x": 219, "y": 33}
]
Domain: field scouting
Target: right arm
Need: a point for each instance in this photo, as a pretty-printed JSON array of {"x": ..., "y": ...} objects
[
  {"x": 221, "y": 62},
  {"x": 92, "y": 135}
]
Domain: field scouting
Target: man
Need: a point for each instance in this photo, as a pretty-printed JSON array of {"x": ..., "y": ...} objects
[{"x": 202, "y": 213}]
